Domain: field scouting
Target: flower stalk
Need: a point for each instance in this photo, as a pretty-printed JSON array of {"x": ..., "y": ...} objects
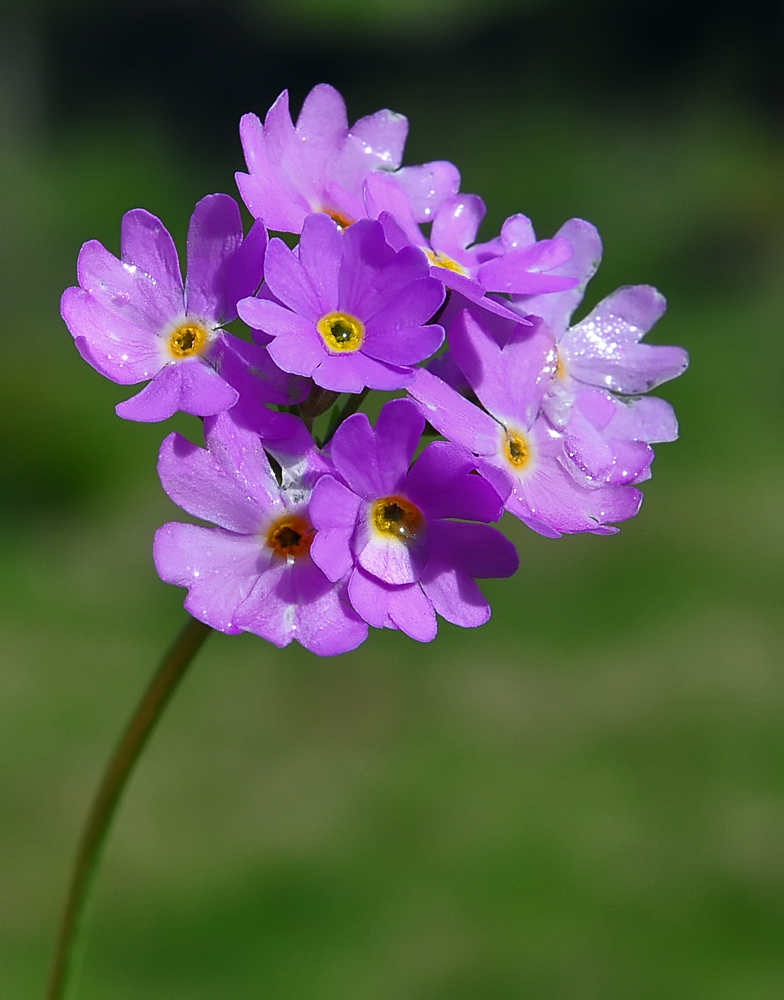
[{"x": 115, "y": 779}]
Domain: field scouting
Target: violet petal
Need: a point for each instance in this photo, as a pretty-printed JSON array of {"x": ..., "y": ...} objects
[
  {"x": 427, "y": 186},
  {"x": 190, "y": 385},
  {"x": 455, "y": 596},
  {"x": 353, "y": 372},
  {"x": 557, "y": 308},
  {"x": 369, "y": 598},
  {"x": 455, "y": 226},
  {"x": 185, "y": 469},
  {"x": 442, "y": 484},
  {"x": 147, "y": 245},
  {"x": 114, "y": 346},
  {"x": 453, "y": 416},
  {"x": 218, "y": 567},
  {"x": 214, "y": 235},
  {"x": 511, "y": 381},
  {"x": 288, "y": 280},
  {"x": 374, "y": 463},
  {"x": 412, "y": 612},
  {"x": 245, "y": 270},
  {"x": 476, "y": 550},
  {"x": 125, "y": 289}
]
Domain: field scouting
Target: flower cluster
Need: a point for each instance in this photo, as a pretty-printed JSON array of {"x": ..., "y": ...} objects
[{"x": 325, "y": 525}]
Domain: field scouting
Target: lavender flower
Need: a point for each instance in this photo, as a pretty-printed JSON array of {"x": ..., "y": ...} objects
[
  {"x": 253, "y": 572},
  {"x": 608, "y": 437},
  {"x": 394, "y": 530},
  {"x": 520, "y": 451},
  {"x": 348, "y": 310},
  {"x": 514, "y": 262},
  {"x": 320, "y": 165},
  {"x": 602, "y": 351},
  {"x": 133, "y": 319}
]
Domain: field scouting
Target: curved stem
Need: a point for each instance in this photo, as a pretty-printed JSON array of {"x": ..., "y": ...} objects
[{"x": 107, "y": 798}]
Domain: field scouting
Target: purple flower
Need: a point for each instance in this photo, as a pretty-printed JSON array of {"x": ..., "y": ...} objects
[
  {"x": 253, "y": 572},
  {"x": 350, "y": 311},
  {"x": 320, "y": 165},
  {"x": 395, "y": 531},
  {"x": 609, "y": 439},
  {"x": 602, "y": 351},
  {"x": 520, "y": 451},
  {"x": 512, "y": 263},
  {"x": 133, "y": 319}
]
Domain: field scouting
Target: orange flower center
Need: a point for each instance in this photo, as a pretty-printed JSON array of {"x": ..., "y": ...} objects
[
  {"x": 291, "y": 536},
  {"x": 342, "y": 220}
]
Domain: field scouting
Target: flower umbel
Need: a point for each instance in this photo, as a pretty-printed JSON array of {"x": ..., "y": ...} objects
[
  {"x": 547, "y": 420},
  {"x": 544, "y": 419}
]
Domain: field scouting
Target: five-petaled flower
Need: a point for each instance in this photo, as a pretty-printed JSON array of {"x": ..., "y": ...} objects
[
  {"x": 322, "y": 165},
  {"x": 254, "y": 571},
  {"x": 400, "y": 533},
  {"x": 133, "y": 319},
  {"x": 349, "y": 311}
]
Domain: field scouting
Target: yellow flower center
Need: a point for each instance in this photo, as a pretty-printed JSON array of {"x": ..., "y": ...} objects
[
  {"x": 187, "y": 340},
  {"x": 341, "y": 331},
  {"x": 560, "y": 368},
  {"x": 397, "y": 517},
  {"x": 517, "y": 449},
  {"x": 291, "y": 536},
  {"x": 439, "y": 259}
]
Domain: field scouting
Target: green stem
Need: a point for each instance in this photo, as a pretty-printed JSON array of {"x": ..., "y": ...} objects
[
  {"x": 351, "y": 406},
  {"x": 107, "y": 798}
]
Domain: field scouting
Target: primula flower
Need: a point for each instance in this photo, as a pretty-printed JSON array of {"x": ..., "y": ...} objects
[
  {"x": 603, "y": 351},
  {"x": 320, "y": 165},
  {"x": 609, "y": 439},
  {"x": 519, "y": 449},
  {"x": 394, "y": 530},
  {"x": 254, "y": 571},
  {"x": 512, "y": 263},
  {"x": 350, "y": 311},
  {"x": 133, "y": 319}
]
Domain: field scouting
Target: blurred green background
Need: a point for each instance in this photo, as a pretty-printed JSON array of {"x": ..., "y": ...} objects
[{"x": 580, "y": 801}]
